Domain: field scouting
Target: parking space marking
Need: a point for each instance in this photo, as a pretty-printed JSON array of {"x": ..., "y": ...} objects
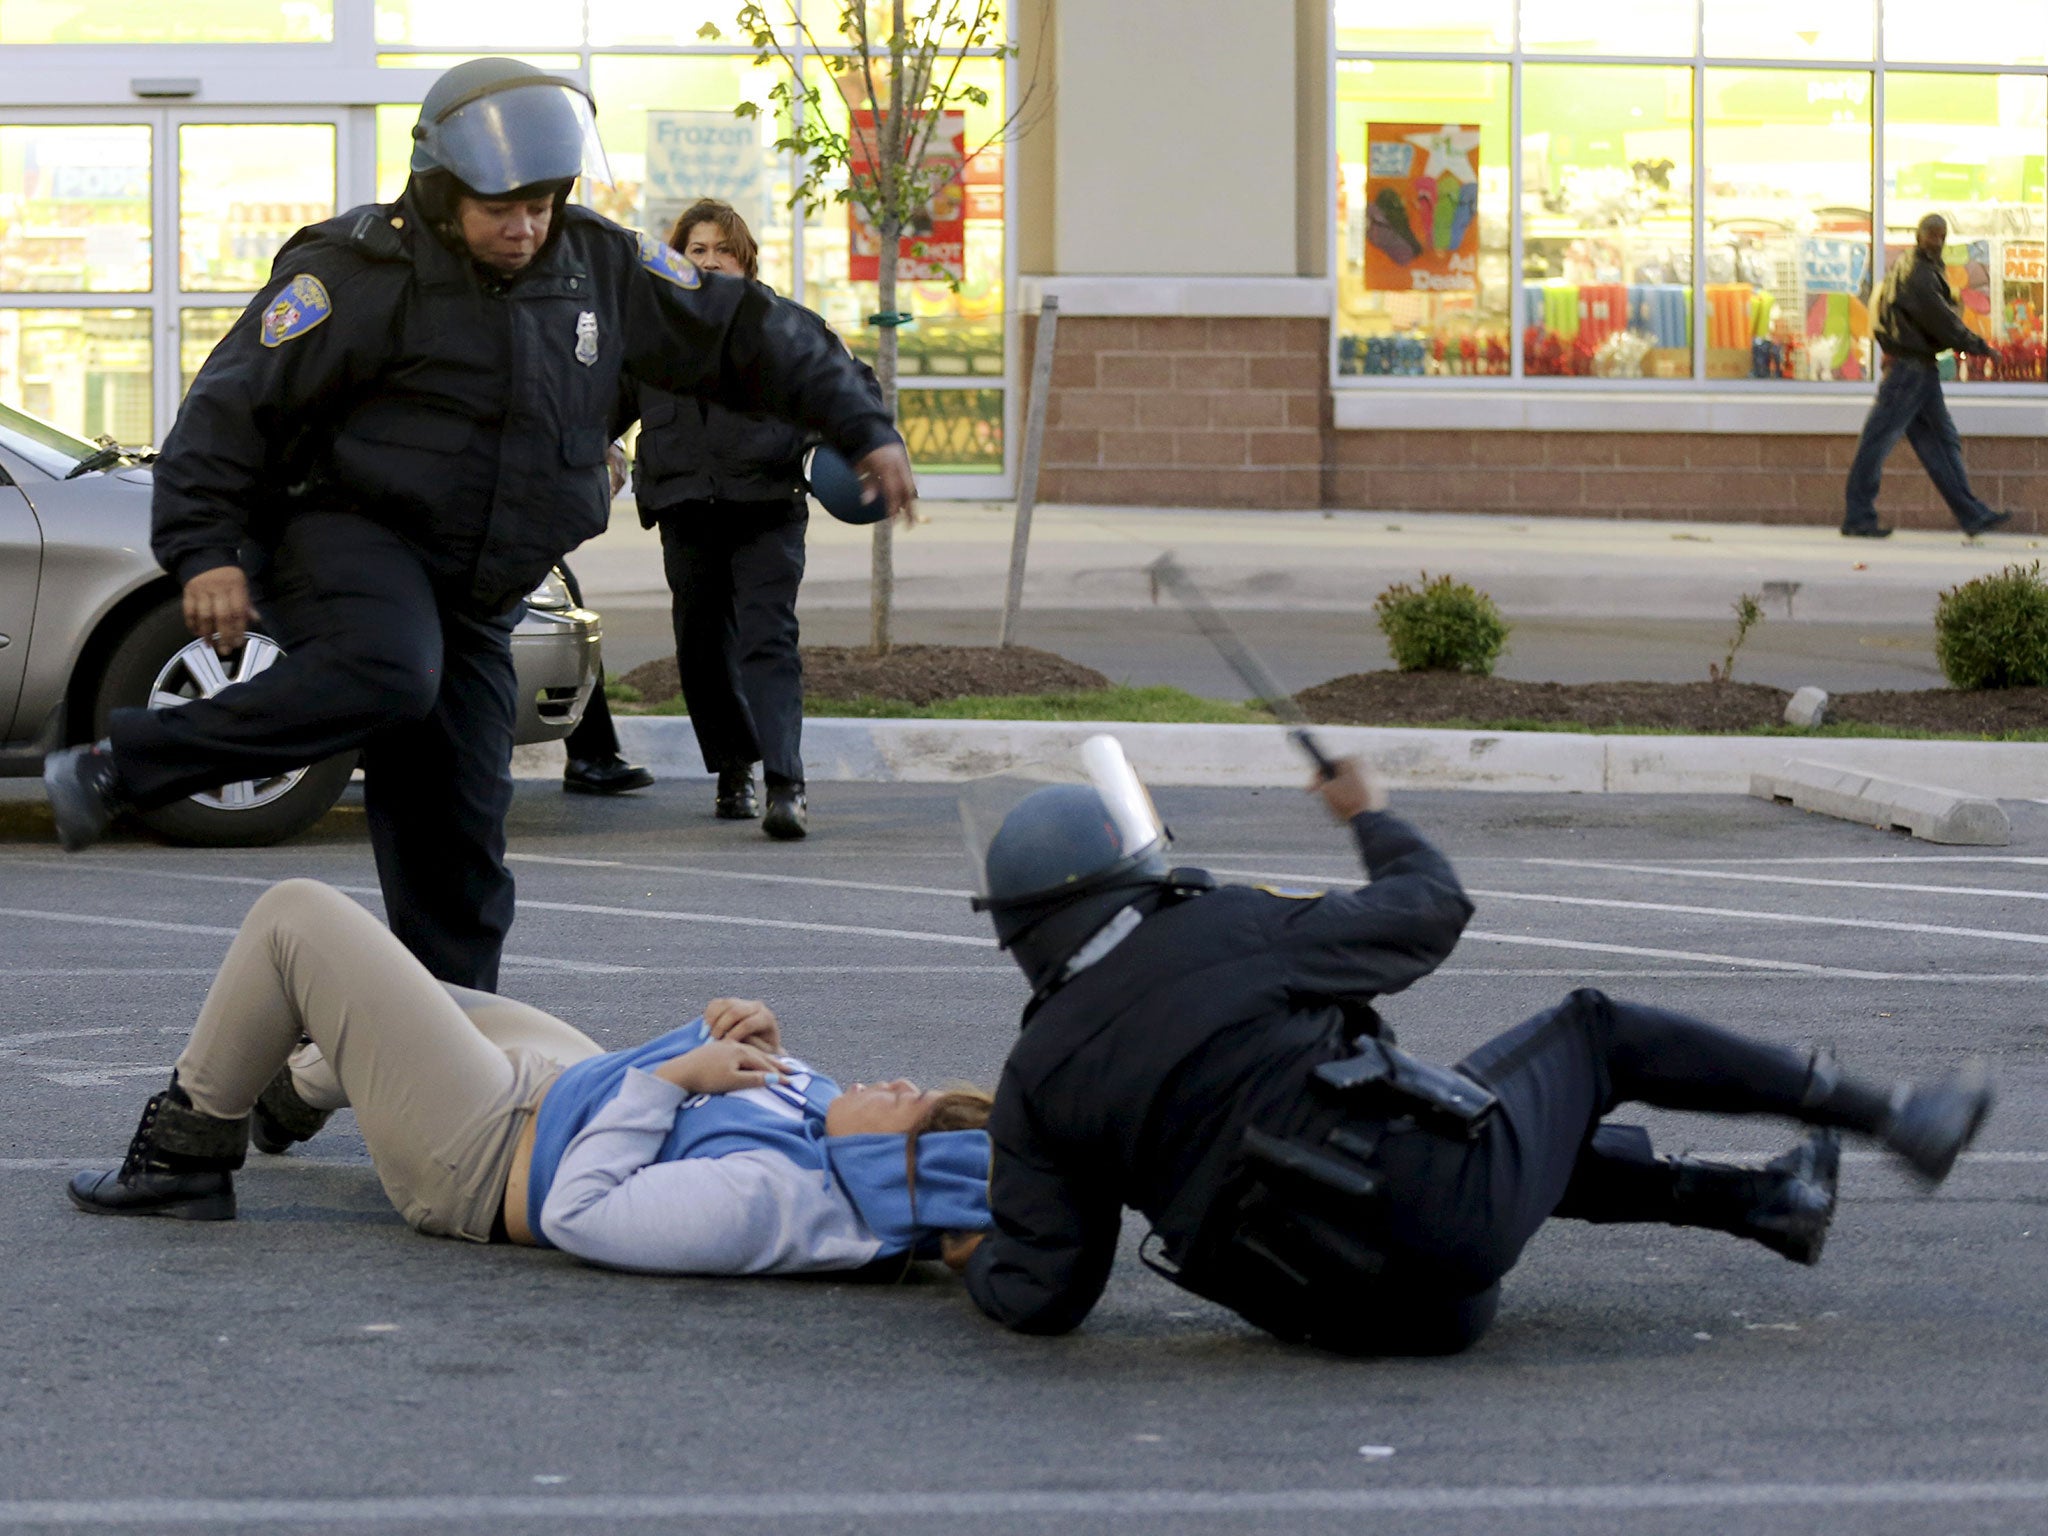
[
  {"x": 592, "y": 909},
  {"x": 736, "y": 874},
  {"x": 1802, "y": 919},
  {"x": 1812, "y": 880},
  {"x": 1751, "y": 962},
  {"x": 94, "y": 920},
  {"x": 896, "y": 1505}
]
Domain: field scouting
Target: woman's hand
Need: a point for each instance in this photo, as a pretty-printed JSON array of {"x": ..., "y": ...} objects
[
  {"x": 721, "y": 1066},
  {"x": 956, "y": 1248},
  {"x": 744, "y": 1019}
]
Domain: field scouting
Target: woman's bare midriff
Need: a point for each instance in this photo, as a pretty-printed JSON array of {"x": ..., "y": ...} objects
[{"x": 516, "y": 1182}]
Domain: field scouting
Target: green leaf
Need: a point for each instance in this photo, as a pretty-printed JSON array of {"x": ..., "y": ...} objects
[{"x": 710, "y": 33}]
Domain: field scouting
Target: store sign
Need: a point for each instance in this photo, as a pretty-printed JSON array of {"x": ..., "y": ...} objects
[
  {"x": 1422, "y": 207},
  {"x": 1833, "y": 266},
  {"x": 933, "y": 247},
  {"x": 2025, "y": 261},
  {"x": 703, "y": 154}
]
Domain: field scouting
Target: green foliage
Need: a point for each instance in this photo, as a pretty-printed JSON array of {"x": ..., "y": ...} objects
[
  {"x": 906, "y": 78},
  {"x": 1993, "y": 632},
  {"x": 621, "y": 693},
  {"x": 1747, "y": 616},
  {"x": 1445, "y": 626}
]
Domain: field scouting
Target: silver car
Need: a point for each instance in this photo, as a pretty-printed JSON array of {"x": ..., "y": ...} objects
[{"x": 90, "y": 623}]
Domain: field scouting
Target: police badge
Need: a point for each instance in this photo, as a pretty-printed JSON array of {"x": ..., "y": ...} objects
[
  {"x": 302, "y": 305},
  {"x": 586, "y": 338}
]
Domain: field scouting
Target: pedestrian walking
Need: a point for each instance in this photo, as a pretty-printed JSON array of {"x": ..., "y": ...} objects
[
  {"x": 1210, "y": 1056},
  {"x": 1916, "y": 321},
  {"x": 400, "y": 436},
  {"x": 704, "y": 1151},
  {"x": 726, "y": 488}
]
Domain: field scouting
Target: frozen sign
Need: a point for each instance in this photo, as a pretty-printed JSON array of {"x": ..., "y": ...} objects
[
  {"x": 702, "y": 154},
  {"x": 1422, "y": 207},
  {"x": 1833, "y": 266}
]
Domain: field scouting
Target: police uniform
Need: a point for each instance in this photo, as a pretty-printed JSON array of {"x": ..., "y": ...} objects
[
  {"x": 1213, "y": 1061},
  {"x": 400, "y": 443}
]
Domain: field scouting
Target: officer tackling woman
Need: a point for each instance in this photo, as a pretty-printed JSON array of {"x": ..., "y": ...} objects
[
  {"x": 399, "y": 437},
  {"x": 1209, "y": 1055}
]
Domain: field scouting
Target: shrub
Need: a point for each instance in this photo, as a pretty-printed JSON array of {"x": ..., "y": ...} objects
[
  {"x": 1993, "y": 632},
  {"x": 1446, "y": 626}
]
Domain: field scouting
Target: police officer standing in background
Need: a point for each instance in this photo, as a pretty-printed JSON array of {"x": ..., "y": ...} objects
[
  {"x": 1209, "y": 1055},
  {"x": 400, "y": 436}
]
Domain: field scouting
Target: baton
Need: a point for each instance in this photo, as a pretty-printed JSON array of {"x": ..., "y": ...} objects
[{"x": 1167, "y": 572}]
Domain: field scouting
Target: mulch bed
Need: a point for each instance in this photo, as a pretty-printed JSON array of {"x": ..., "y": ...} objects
[
  {"x": 917, "y": 674},
  {"x": 1430, "y": 698}
]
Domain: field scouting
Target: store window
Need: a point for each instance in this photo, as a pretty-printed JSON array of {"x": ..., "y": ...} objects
[
  {"x": 199, "y": 332},
  {"x": 75, "y": 208},
  {"x": 1983, "y": 32},
  {"x": 1607, "y": 221},
  {"x": 1422, "y": 218},
  {"x": 1443, "y": 26},
  {"x": 672, "y": 23},
  {"x": 1638, "y": 27},
  {"x": 85, "y": 370},
  {"x": 1788, "y": 196},
  {"x": 501, "y": 26},
  {"x": 1791, "y": 29},
  {"x": 243, "y": 190},
  {"x": 1971, "y": 148},
  {"x": 155, "y": 21}
]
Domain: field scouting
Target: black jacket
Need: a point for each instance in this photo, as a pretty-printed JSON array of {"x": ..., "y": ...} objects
[
  {"x": 467, "y": 412},
  {"x": 1131, "y": 1084},
  {"x": 699, "y": 450},
  {"x": 1916, "y": 312}
]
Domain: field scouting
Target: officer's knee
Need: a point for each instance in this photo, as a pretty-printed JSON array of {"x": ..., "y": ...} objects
[{"x": 397, "y": 685}]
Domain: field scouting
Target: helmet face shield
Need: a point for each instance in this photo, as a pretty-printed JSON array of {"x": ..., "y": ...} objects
[
  {"x": 519, "y": 132},
  {"x": 1053, "y": 826}
]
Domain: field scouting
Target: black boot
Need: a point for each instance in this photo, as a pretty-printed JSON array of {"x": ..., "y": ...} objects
[
  {"x": 736, "y": 800},
  {"x": 281, "y": 1117},
  {"x": 1787, "y": 1205},
  {"x": 608, "y": 775},
  {"x": 181, "y": 1163},
  {"x": 789, "y": 814},
  {"x": 1933, "y": 1122}
]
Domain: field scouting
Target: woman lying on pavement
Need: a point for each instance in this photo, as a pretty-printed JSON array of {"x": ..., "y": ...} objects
[{"x": 705, "y": 1151}]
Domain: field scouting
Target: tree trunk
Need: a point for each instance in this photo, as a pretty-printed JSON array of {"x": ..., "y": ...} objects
[{"x": 882, "y": 557}]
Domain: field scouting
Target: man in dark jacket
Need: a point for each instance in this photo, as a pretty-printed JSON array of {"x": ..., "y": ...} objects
[
  {"x": 1916, "y": 322},
  {"x": 401, "y": 435},
  {"x": 1209, "y": 1056}
]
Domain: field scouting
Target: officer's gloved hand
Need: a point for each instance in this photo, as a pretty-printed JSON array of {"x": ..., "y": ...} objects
[{"x": 1350, "y": 791}]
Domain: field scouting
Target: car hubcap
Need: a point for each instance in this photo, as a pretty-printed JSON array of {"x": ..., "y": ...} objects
[{"x": 197, "y": 673}]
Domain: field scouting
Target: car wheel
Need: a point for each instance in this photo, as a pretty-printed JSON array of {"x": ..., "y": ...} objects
[{"x": 159, "y": 665}]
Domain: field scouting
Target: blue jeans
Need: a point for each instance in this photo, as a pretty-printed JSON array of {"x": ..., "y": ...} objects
[{"x": 1909, "y": 405}]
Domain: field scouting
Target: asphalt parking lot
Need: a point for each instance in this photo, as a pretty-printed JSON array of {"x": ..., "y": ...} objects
[{"x": 315, "y": 1366}]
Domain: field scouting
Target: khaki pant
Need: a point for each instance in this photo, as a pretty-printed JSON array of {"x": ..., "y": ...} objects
[{"x": 442, "y": 1079}]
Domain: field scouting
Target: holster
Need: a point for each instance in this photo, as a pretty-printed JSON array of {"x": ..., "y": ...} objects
[{"x": 1382, "y": 1078}]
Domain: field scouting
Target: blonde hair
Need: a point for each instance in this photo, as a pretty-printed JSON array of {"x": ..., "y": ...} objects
[{"x": 962, "y": 1107}]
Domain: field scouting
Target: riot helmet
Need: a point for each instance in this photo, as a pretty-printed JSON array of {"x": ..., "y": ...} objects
[
  {"x": 497, "y": 126},
  {"x": 1059, "y": 864}
]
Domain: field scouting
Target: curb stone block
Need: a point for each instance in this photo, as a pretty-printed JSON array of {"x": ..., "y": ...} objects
[{"x": 1929, "y": 813}]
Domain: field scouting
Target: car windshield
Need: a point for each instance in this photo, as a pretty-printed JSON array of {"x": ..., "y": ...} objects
[{"x": 53, "y": 451}]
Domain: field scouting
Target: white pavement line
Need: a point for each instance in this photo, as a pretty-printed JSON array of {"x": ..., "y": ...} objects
[
  {"x": 1881, "y": 858},
  {"x": 94, "y": 921},
  {"x": 1751, "y": 962},
  {"x": 737, "y": 874},
  {"x": 108, "y": 970},
  {"x": 59, "y": 1164},
  {"x": 12, "y": 1043},
  {"x": 721, "y": 967},
  {"x": 1800, "y": 919},
  {"x": 894, "y": 1506},
  {"x": 154, "y": 872},
  {"x": 590, "y": 909},
  {"x": 1845, "y": 885}
]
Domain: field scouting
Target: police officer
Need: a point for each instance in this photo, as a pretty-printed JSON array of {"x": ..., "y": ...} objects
[
  {"x": 1209, "y": 1056},
  {"x": 401, "y": 435}
]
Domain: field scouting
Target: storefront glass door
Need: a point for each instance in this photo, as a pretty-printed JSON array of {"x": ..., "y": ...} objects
[{"x": 129, "y": 241}]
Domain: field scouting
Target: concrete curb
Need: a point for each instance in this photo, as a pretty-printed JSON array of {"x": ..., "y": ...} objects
[
  {"x": 1931, "y": 814},
  {"x": 1258, "y": 756}
]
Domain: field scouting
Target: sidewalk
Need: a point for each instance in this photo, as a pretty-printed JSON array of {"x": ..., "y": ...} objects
[{"x": 1093, "y": 558}]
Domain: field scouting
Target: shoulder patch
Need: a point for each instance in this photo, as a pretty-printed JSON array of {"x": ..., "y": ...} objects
[
  {"x": 302, "y": 305},
  {"x": 1289, "y": 894},
  {"x": 664, "y": 262}
]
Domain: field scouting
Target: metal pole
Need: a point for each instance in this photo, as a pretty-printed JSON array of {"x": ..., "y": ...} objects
[{"x": 1027, "y": 475}]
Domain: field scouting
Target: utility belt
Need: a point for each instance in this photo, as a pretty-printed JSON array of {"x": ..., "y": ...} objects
[{"x": 1298, "y": 1232}]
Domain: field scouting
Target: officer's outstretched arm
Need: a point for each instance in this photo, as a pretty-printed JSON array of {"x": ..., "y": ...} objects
[
  {"x": 314, "y": 335},
  {"x": 1043, "y": 1267},
  {"x": 735, "y": 341},
  {"x": 1356, "y": 945}
]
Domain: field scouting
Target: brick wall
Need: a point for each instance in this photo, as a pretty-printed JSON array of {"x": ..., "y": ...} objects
[
  {"x": 1190, "y": 412},
  {"x": 1170, "y": 411},
  {"x": 1692, "y": 476}
]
